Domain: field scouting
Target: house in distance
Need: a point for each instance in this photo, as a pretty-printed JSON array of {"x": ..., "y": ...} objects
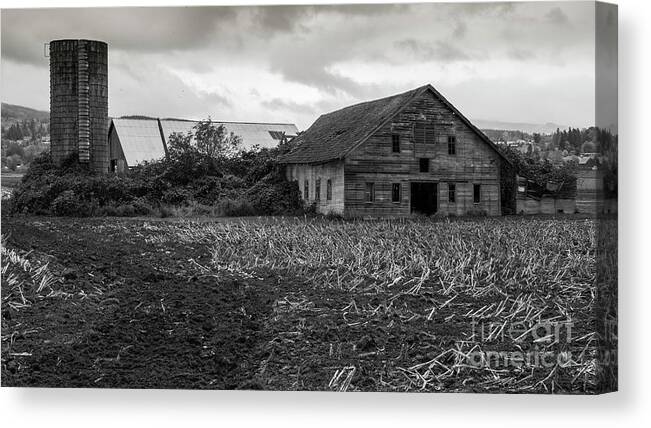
[
  {"x": 407, "y": 154},
  {"x": 135, "y": 140}
]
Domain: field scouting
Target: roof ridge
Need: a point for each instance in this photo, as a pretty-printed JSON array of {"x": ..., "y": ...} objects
[
  {"x": 229, "y": 121},
  {"x": 410, "y": 95},
  {"x": 170, "y": 119},
  {"x": 377, "y": 100},
  {"x": 334, "y": 135}
]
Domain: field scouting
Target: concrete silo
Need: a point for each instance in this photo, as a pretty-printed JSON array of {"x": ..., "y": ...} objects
[{"x": 79, "y": 102}]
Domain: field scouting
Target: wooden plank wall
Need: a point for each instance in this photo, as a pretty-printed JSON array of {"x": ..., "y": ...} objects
[
  {"x": 546, "y": 205},
  {"x": 475, "y": 162},
  {"x": 329, "y": 171}
]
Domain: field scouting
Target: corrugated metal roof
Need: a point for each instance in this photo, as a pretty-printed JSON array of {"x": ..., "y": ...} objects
[
  {"x": 140, "y": 140},
  {"x": 251, "y": 133}
]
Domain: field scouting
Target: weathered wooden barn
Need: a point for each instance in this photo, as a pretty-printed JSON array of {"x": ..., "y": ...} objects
[
  {"x": 408, "y": 154},
  {"x": 133, "y": 141}
]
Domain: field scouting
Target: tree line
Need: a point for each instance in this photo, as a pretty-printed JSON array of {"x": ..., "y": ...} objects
[{"x": 31, "y": 129}]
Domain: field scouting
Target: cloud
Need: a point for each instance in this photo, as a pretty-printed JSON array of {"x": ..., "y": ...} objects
[
  {"x": 460, "y": 30},
  {"x": 521, "y": 54},
  {"x": 292, "y": 63},
  {"x": 557, "y": 16},
  {"x": 439, "y": 50},
  {"x": 317, "y": 75},
  {"x": 177, "y": 99},
  {"x": 269, "y": 20},
  {"x": 494, "y": 9},
  {"x": 25, "y": 31},
  {"x": 284, "y": 104}
]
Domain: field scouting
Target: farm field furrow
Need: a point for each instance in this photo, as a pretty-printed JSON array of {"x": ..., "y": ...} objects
[{"x": 483, "y": 305}]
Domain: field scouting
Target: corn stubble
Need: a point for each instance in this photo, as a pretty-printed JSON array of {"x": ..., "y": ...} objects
[{"x": 421, "y": 305}]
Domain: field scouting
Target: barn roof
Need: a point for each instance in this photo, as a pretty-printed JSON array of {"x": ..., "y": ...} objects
[
  {"x": 335, "y": 134},
  {"x": 142, "y": 139},
  {"x": 261, "y": 134}
]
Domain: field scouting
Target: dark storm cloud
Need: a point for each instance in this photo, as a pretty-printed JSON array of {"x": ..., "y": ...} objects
[
  {"x": 274, "y": 19},
  {"x": 439, "y": 50},
  {"x": 269, "y": 20},
  {"x": 557, "y": 16},
  {"x": 24, "y": 32}
]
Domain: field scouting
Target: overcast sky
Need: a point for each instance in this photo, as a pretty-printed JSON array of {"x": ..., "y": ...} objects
[{"x": 518, "y": 62}]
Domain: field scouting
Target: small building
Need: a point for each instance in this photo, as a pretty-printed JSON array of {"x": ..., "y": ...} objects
[
  {"x": 133, "y": 141},
  {"x": 596, "y": 191},
  {"x": 552, "y": 198},
  {"x": 408, "y": 154},
  {"x": 593, "y": 193}
]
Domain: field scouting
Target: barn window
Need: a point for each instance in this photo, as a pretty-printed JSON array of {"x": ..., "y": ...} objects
[
  {"x": 423, "y": 132},
  {"x": 423, "y": 164},
  {"x": 452, "y": 145},
  {"x": 395, "y": 192},
  {"x": 452, "y": 192},
  {"x": 306, "y": 190},
  {"x": 395, "y": 142},
  {"x": 329, "y": 190},
  {"x": 369, "y": 193},
  {"x": 317, "y": 190},
  {"x": 476, "y": 193}
]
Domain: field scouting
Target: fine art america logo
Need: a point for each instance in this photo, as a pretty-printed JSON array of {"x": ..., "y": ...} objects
[{"x": 542, "y": 334}]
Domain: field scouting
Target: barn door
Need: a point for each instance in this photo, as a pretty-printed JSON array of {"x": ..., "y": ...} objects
[{"x": 424, "y": 198}]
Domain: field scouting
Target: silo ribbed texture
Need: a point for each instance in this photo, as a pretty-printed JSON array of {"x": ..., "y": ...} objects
[{"x": 79, "y": 102}]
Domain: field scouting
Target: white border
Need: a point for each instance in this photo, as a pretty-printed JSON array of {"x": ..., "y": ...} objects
[{"x": 104, "y": 408}]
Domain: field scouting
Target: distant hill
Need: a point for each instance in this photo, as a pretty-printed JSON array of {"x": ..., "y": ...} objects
[
  {"x": 530, "y": 128},
  {"x": 12, "y": 113}
]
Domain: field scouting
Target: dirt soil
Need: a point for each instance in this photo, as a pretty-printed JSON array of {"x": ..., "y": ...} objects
[
  {"x": 143, "y": 316},
  {"x": 134, "y": 311}
]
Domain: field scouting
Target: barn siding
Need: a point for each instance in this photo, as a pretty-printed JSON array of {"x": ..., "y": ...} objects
[
  {"x": 545, "y": 205},
  {"x": 115, "y": 152},
  {"x": 475, "y": 162},
  {"x": 329, "y": 171}
]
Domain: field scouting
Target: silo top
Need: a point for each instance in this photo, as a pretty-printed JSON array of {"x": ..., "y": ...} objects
[{"x": 65, "y": 44}]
